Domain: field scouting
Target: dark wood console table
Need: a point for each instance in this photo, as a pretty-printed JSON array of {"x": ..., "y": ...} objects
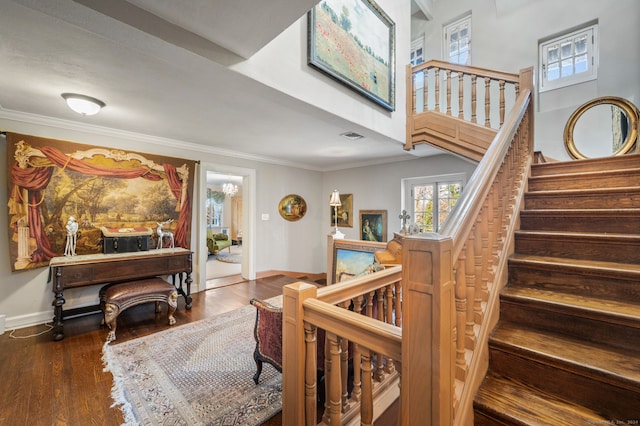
[{"x": 81, "y": 271}]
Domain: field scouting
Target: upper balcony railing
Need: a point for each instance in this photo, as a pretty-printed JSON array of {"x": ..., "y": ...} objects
[{"x": 457, "y": 108}]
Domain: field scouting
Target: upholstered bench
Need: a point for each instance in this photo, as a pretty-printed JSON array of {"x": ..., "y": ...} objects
[{"x": 115, "y": 298}]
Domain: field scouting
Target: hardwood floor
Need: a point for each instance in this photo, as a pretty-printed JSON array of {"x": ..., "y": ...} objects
[{"x": 43, "y": 382}]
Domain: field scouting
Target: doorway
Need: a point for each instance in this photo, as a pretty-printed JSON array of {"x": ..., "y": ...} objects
[{"x": 229, "y": 214}]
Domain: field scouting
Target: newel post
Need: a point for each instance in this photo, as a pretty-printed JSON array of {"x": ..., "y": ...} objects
[
  {"x": 428, "y": 347},
  {"x": 293, "y": 352}
]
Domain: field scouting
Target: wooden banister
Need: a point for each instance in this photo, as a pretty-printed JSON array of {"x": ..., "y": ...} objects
[{"x": 433, "y": 312}]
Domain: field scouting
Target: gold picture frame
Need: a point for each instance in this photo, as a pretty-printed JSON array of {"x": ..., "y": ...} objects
[
  {"x": 373, "y": 225},
  {"x": 292, "y": 207},
  {"x": 345, "y": 212}
]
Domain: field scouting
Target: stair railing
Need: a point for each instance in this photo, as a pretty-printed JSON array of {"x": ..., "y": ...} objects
[
  {"x": 451, "y": 280},
  {"x": 363, "y": 314},
  {"x": 457, "y": 108}
]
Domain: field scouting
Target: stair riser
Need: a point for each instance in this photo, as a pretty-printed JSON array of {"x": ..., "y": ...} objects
[
  {"x": 602, "y": 249},
  {"x": 613, "y": 333},
  {"x": 485, "y": 419},
  {"x": 573, "y": 281},
  {"x": 582, "y": 223},
  {"x": 553, "y": 183},
  {"x": 614, "y": 200},
  {"x": 619, "y": 403},
  {"x": 595, "y": 165}
]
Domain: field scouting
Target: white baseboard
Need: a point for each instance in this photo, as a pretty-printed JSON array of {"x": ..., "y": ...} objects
[{"x": 22, "y": 321}]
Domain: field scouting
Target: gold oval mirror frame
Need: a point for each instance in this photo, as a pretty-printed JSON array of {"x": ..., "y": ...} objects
[{"x": 628, "y": 141}]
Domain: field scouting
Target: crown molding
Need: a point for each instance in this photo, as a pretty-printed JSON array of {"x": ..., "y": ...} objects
[{"x": 42, "y": 120}]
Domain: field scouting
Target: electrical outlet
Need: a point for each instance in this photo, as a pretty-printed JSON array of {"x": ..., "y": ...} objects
[{"x": 265, "y": 216}]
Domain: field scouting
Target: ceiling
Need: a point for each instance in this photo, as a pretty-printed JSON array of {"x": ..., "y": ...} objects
[{"x": 161, "y": 67}]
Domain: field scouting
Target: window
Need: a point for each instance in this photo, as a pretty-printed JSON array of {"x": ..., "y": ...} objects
[
  {"x": 568, "y": 59},
  {"x": 457, "y": 41},
  {"x": 214, "y": 207},
  {"x": 432, "y": 199},
  {"x": 417, "y": 51}
]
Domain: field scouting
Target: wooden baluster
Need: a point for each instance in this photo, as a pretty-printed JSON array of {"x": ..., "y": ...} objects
[
  {"x": 470, "y": 281},
  {"x": 310, "y": 377},
  {"x": 437, "y": 81},
  {"x": 334, "y": 396},
  {"x": 501, "y": 83},
  {"x": 356, "y": 391},
  {"x": 344, "y": 370},
  {"x": 398, "y": 303},
  {"x": 414, "y": 95},
  {"x": 487, "y": 102},
  {"x": 461, "y": 315},
  {"x": 369, "y": 310},
  {"x": 326, "y": 415},
  {"x": 366, "y": 404},
  {"x": 448, "y": 77},
  {"x": 390, "y": 366},
  {"x": 425, "y": 91},
  {"x": 474, "y": 117},
  {"x": 479, "y": 271},
  {"x": 389, "y": 304},
  {"x": 460, "y": 95},
  {"x": 380, "y": 317}
]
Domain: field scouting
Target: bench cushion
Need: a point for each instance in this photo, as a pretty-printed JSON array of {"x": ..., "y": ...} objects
[{"x": 115, "y": 298}]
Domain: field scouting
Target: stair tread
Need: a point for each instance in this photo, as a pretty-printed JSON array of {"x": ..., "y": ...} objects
[
  {"x": 633, "y": 211},
  {"x": 570, "y": 234},
  {"x": 587, "y": 191},
  {"x": 586, "y": 265},
  {"x": 526, "y": 405},
  {"x": 622, "y": 366},
  {"x": 605, "y": 308}
]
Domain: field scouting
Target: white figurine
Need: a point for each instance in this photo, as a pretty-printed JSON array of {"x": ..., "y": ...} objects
[
  {"x": 72, "y": 235},
  {"x": 162, "y": 234}
]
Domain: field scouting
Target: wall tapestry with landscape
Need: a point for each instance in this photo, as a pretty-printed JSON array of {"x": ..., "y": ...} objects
[{"x": 51, "y": 180}]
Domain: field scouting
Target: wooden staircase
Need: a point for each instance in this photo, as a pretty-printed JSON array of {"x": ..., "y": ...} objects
[{"x": 566, "y": 349}]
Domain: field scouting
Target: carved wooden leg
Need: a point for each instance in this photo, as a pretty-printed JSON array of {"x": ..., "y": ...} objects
[
  {"x": 111, "y": 312},
  {"x": 256, "y": 358}
]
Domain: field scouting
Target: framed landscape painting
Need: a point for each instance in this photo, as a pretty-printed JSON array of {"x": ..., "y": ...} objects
[{"x": 353, "y": 42}]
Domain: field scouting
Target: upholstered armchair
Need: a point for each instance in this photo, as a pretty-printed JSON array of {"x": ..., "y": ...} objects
[{"x": 268, "y": 335}]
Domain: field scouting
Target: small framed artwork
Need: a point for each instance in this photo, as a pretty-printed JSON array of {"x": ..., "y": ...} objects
[
  {"x": 353, "y": 42},
  {"x": 373, "y": 225},
  {"x": 292, "y": 207},
  {"x": 345, "y": 212}
]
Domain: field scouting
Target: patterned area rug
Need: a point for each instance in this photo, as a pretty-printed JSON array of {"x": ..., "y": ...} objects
[
  {"x": 195, "y": 374},
  {"x": 229, "y": 257}
]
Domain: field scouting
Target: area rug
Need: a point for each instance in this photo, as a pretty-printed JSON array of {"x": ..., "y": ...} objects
[
  {"x": 195, "y": 374},
  {"x": 229, "y": 257}
]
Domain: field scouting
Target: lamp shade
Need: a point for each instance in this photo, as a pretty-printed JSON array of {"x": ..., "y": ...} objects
[
  {"x": 335, "y": 199},
  {"x": 85, "y": 105}
]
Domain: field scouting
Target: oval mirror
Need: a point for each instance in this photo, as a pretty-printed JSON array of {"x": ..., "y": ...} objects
[{"x": 602, "y": 127}]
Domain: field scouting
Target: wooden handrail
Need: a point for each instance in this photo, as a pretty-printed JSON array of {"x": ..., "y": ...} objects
[
  {"x": 479, "y": 184},
  {"x": 480, "y": 72}
]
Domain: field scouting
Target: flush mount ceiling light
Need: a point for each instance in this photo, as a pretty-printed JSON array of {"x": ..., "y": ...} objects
[
  {"x": 352, "y": 136},
  {"x": 85, "y": 105}
]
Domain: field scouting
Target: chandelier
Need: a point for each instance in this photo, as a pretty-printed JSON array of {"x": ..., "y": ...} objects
[{"x": 229, "y": 189}]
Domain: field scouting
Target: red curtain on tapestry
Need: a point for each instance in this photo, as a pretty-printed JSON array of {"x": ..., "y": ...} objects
[
  {"x": 175, "y": 184},
  {"x": 35, "y": 179}
]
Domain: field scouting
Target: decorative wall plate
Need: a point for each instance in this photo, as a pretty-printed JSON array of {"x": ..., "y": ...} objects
[{"x": 292, "y": 207}]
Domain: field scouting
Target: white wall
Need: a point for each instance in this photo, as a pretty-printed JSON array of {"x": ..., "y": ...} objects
[
  {"x": 25, "y": 296},
  {"x": 379, "y": 188},
  {"x": 505, "y": 36},
  {"x": 282, "y": 64}
]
